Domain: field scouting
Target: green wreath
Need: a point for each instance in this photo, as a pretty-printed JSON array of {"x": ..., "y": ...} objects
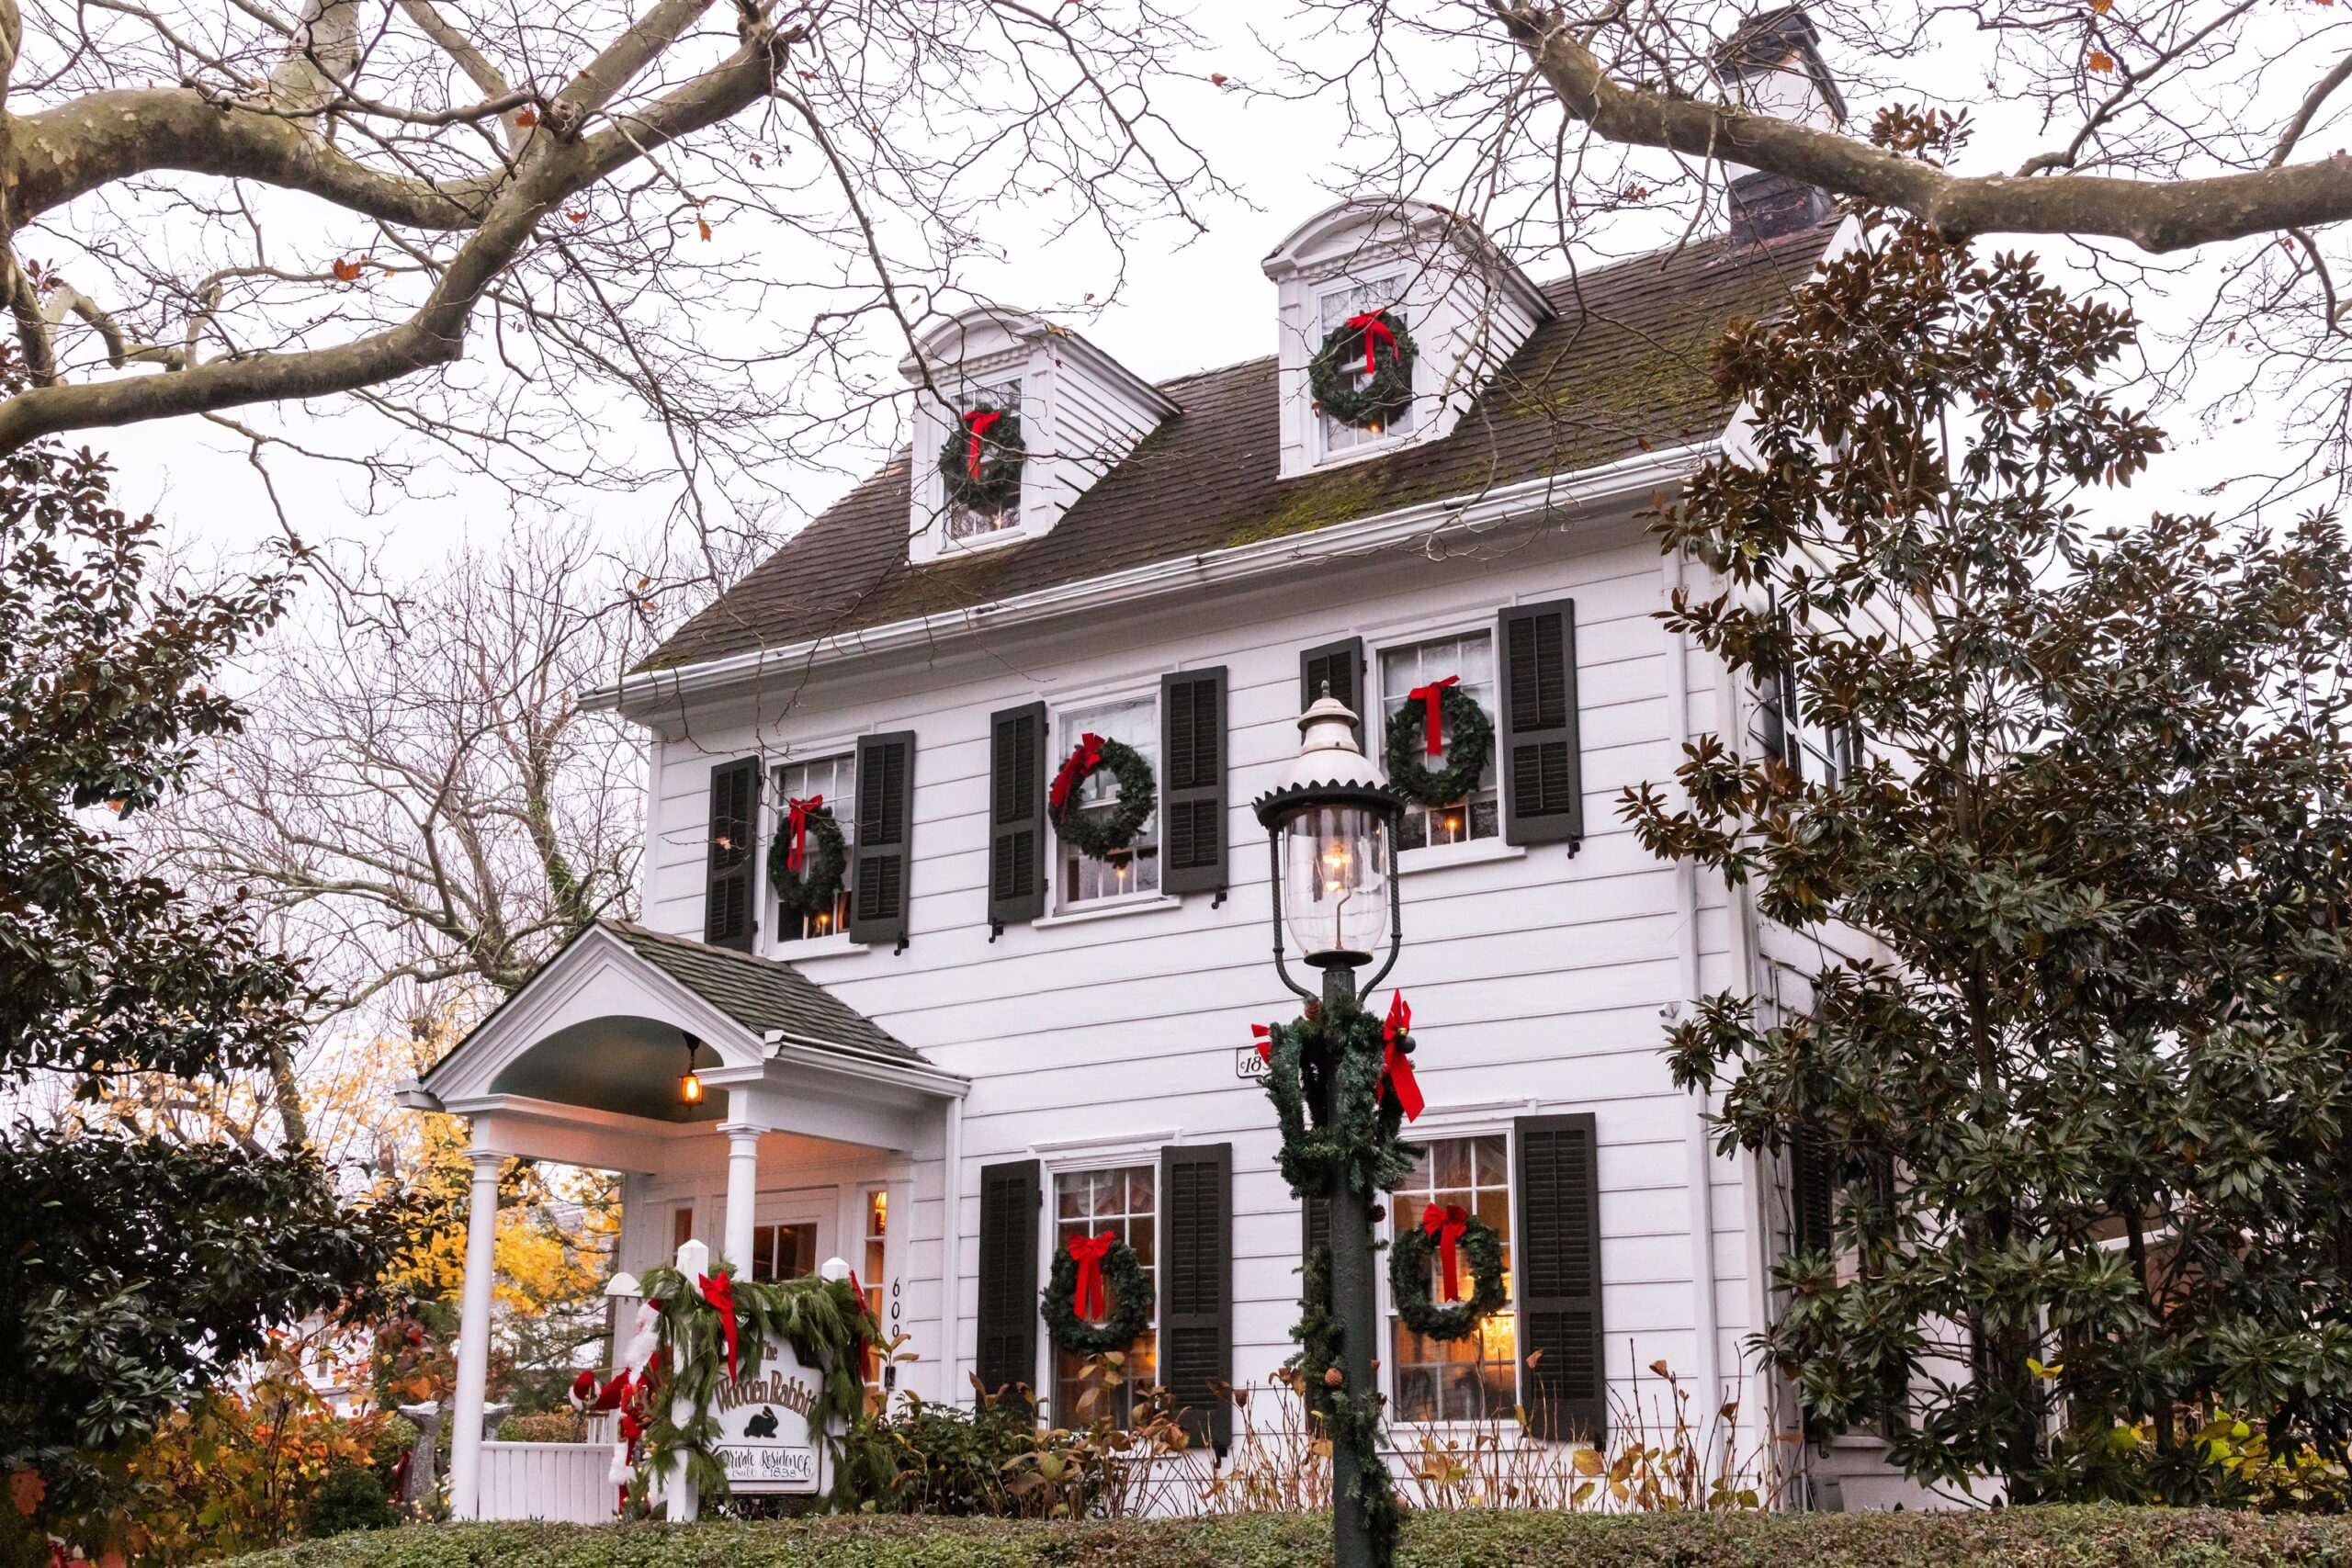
[
  {"x": 1098, "y": 837},
  {"x": 824, "y": 862},
  {"x": 998, "y": 482},
  {"x": 1472, "y": 745},
  {"x": 1332, "y": 373},
  {"x": 1130, "y": 1295},
  {"x": 1480, "y": 1247}
]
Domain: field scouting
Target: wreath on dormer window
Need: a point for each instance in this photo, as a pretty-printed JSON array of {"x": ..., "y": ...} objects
[
  {"x": 981, "y": 460},
  {"x": 1376, "y": 346}
]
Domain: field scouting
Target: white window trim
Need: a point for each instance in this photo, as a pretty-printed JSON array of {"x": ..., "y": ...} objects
[
  {"x": 1142, "y": 901},
  {"x": 936, "y": 542},
  {"x": 1122, "y": 1152},
  {"x": 1469, "y": 851},
  {"x": 774, "y": 813},
  {"x": 1445, "y": 1122},
  {"x": 813, "y": 947}
]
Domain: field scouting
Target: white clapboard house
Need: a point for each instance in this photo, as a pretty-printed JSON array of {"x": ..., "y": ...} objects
[{"x": 993, "y": 1042}]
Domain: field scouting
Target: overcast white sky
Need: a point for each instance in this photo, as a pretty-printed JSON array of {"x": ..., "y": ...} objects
[{"x": 1181, "y": 309}]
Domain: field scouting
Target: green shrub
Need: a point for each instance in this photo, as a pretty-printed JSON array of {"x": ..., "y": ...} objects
[
  {"x": 544, "y": 1426},
  {"x": 2010, "y": 1537},
  {"x": 350, "y": 1498}
]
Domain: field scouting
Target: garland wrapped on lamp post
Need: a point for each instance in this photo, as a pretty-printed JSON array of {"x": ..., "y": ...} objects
[{"x": 1343, "y": 1087}]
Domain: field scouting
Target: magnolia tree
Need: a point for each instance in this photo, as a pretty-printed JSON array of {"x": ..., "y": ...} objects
[{"x": 2071, "y": 1032}]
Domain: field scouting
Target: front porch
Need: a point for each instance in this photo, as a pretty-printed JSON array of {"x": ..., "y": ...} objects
[{"x": 742, "y": 1106}]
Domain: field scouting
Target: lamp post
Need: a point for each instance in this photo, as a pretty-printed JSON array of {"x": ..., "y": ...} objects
[{"x": 1331, "y": 828}]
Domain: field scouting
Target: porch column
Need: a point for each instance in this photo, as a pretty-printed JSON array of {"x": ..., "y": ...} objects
[
  {"x": 742, "y": 1191},
  {"x": 473, "y": 1337}
]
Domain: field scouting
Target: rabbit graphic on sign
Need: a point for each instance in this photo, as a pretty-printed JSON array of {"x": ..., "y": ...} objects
[{"x": 763, "y": 1435}]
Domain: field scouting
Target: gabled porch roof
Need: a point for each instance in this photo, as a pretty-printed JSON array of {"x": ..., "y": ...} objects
[{"x": 583, "y": 1063}]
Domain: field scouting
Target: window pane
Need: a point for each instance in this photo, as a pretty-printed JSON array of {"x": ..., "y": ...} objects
[
  {"x": 1120, "y": 1201},
  {"x": 1472, "y": 1379},
  {"x": 1471, "y": 659},
  {"x": 1135, "y": 869},
  {"x": 963, "y": 522},
  {"x": 829, "y": 777},
  {"x": 1334, "y": 308}
]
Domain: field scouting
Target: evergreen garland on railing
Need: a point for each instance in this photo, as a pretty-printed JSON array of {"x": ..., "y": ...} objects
[{"x": 824, "y": 1321}]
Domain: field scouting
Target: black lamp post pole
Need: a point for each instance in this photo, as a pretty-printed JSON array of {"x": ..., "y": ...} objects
[{"x": 1355, "y": 1306}]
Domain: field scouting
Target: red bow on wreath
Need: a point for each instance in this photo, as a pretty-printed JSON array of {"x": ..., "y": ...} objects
[
  {"x": 1375, "y": 330},
  {"x": 1396, "y": 1067},
  {"x": 1088, "y": 1302},
  {"x": 1447, "y": 1224},
  {"x": 719, "y": 1290},
  {"x": 1432, "y": 700},
  {"x": 976, "y": 424},
  {"x": 1079, "y": 763},
  {"x": 1265, "y": 1038},
  {"x": 797, "y": 824}
]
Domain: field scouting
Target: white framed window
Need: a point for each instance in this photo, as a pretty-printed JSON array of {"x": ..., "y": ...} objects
[
  {"x": 1125, "y": 1201},
  {"x": 1333, "y": 309},
  {"x": 1469, "y": 657},
  {"x": 833, "y": 778},
  {"x": 1134, "y": 870},
  {"x": 1476, "y": 1378},
  {"x": 872, "y": 1272},
  {"x": 969, "y": 523},
  {"x": 784, "y": 1251}
]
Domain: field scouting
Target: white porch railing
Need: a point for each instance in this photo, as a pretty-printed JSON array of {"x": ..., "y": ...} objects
[{"x": 563, "y": 1482}]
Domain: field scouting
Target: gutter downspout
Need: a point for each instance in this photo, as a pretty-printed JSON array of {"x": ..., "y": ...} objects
[{"x": 1698, "y": 1143}]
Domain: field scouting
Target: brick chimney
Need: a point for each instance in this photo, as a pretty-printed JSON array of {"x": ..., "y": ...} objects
[{"x": 1772, "y": 64}]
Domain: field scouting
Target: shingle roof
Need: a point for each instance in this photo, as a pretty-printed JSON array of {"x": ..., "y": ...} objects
[
  {"x": 1625, "y": 366},
  {"x": 762, "y": 994}
]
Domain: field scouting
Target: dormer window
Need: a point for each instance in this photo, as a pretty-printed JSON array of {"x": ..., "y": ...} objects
[
  {"x": 1335, "y": 308},
  {"x": 981, "y": 447}
]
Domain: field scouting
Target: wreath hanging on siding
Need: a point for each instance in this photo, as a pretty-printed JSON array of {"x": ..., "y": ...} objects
[
  {"x": 1468, "y": 752},
  {"x": 1474, "y": 1242},
  {"x": 1077, "y": 1314},
  {"x": 1101, "y": 834},
  {"x": 810, "y": 859},
  {"x": 1377, "y": 343},
  {"x": 981, "y": 460}
]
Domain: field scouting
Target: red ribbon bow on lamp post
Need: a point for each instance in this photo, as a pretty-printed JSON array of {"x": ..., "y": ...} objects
[
  {"x": 1396, "y": 1067},
  {"x": 797, "y": 824},
  {"x": 1088, "y": 1302},
  {"x": 719, "y": 1290},
  {"x": 976, "y": 424},
  {"x": 1079, "y": 763},
  {"x": 1432, "y": 700},
  {"x": 1447, "y": 1224},
  {"x": 1375, "y": 330}
]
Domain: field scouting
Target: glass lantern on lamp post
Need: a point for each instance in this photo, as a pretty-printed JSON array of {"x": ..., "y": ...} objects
[{"x": 1331, "y": 828}]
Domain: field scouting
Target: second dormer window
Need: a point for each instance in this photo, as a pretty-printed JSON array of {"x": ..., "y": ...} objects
[
  {"x": 1334, "y": 309},
  {"x": 980, "y": 454}
]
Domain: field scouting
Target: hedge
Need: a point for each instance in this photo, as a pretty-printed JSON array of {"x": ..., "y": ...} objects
[{"x": 2013, "y": 1537}]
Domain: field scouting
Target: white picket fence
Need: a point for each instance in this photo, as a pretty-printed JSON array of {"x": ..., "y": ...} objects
[{"x": 563, "y": 1482}]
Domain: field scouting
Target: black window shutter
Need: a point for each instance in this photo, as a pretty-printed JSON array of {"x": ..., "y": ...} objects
[
  {"x": 1338, "y": 665},
  {"x": 1563, "y": 1384},
  {"x": 1191, "y": 791},
  {"x": 1197, "y": 1286},
  {"x": 1314, "y": 1223},
  {"x": 1016, "y": 814},
  {"x": 1812, "y": 1194},
  {"x": 1543, "y": 771},
  {"x": 727, "y": 918},
  {"x": 1009, "y": 1281},
  {"x": 885, "y": 798}
]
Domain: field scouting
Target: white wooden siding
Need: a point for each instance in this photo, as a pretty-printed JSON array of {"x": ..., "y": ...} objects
[{"x": 1539, "y": 981}]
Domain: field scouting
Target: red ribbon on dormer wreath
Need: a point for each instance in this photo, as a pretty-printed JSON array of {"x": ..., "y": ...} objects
[
  {"x": 976, "y": 425},
  {"x": 1375, "y": 330}
]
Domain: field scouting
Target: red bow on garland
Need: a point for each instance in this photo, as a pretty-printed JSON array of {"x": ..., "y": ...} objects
[
  {"x": 1396, "y": 1067},
  {"x": 1375, "y": 330},
  {"x": 719, "y": 1290},
  {"x": 1265, "y": 1038},
  {"x": 1447, "y": 1224},
  {"x": 1079, "y": 763},
  {"x": 1432, "y": 700},
  {"x": 976, "y": 424},
  {"x": 797, "y": 824},
  {"x": 1088, "y": 1302}
]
